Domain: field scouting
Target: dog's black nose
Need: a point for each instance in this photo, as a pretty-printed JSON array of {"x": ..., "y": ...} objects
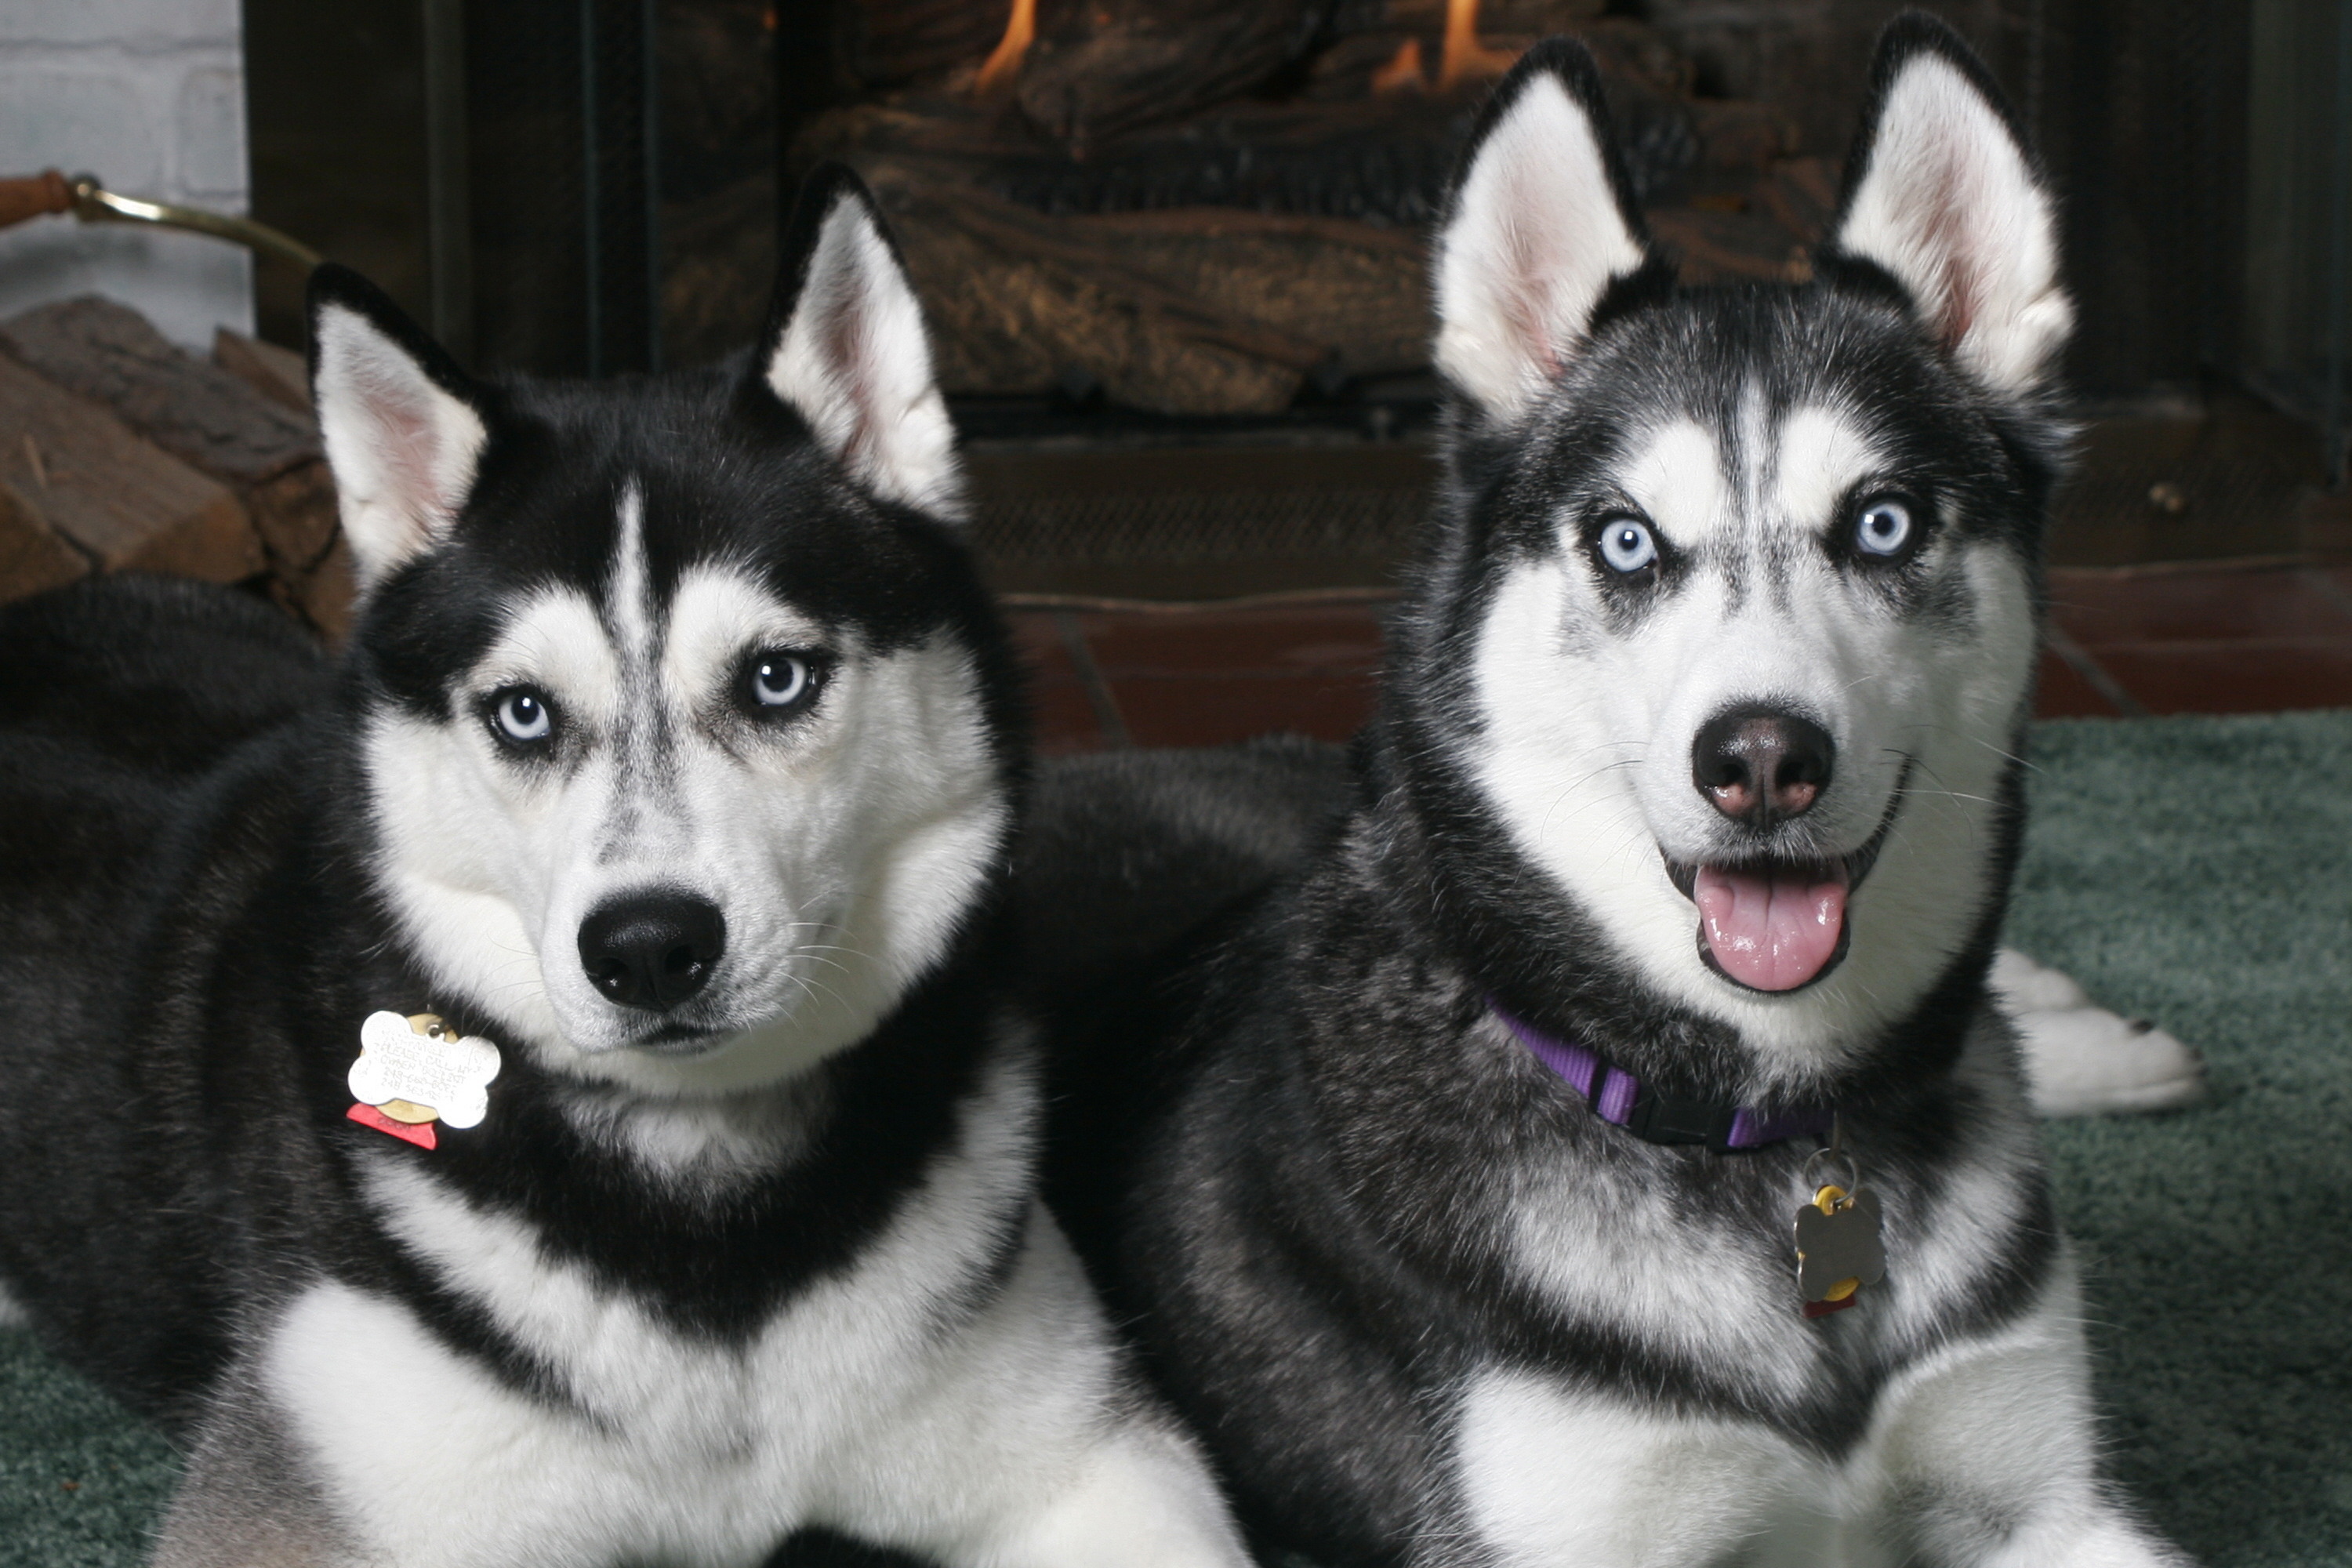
[
  {"x": 652, "y": 950},
  {"x": 1761, "y": 765}
]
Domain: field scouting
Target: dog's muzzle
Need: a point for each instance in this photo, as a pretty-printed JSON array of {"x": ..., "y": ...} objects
[{"x": 1775, "y": 924}]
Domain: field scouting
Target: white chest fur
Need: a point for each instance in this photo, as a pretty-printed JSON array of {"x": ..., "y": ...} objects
[
  {"x": 869, "y": 1403},
  {"x": 1979, "y": 1453}
]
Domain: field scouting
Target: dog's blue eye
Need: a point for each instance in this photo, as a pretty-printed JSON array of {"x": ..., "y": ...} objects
[
  {"x": 523, "y": 717},
  {"x": 1883, "y": 528},
  {"x": 781, "y": 681},
  {"x": 1626, "y": 546}
]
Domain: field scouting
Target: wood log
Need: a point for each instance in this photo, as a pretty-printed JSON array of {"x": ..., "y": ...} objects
[
  {"x": 279, "y": 375},
  {"x": 324, "y": 597},
  {"x": 199, "y": 413},
  {"x": 1101, "y": 68},
  {"x": 1730, "y": 246},
  {"x": 1383, "y": 161},
  {"x": 1209, "y": 266},
  {"x": 1089, "y": 248},
  {"x": 1013, "y": 319},
  {"x": 244, "y": 420},
  {"x": 718, "y": 268},
  {"x": 125, "y": 503},
  {"x": 717, "y": 90},
  {"x": 1357, "y": 292},
  {"x": 33, "y": 555},
  {"x": 885, "y": 42},
  {"x": 1802, "y": 196},
  {"x": 295, "y": 515},
  {"x": 1381, "y": 158},
  {"x": 1540, "y": 17},
  {"x": 1192, "y": 311},
  {"x": 1740, "y": 133}
]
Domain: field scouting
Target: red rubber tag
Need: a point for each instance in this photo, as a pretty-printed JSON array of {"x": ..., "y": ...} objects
[
  {"x": 1823, "y": 1309},
  {"x": 417, "y": 1132}
]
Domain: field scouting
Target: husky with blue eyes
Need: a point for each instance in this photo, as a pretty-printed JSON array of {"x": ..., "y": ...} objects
[
  {"x": 1608, "y": 1150},
  {"x": 546, "y": 1093}
]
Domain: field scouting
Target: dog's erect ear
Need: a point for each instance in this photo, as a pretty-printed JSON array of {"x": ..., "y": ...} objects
[
  {"x": 1542, "y": 221},
  {"x": 1941, "y": 193},
  {"x": 845, "y": 349},
  {"x": 401, "y": 421}
]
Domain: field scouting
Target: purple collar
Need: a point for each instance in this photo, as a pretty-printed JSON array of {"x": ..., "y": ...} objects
[{"x": 1618, "y": 1097}]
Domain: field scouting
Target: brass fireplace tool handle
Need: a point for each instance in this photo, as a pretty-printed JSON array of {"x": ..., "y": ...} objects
[{"x": 82, "y": 195}]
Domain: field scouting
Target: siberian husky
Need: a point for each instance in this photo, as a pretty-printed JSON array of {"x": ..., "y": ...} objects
[
  {"x": 650, "y": 841},
  {"x": 1608, "y": 1151}
]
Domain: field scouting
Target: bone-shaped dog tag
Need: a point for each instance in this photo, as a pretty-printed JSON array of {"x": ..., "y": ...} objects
[
  {"x": 1837, "y": 1249},
  {"x": 412, "y": 1073}
]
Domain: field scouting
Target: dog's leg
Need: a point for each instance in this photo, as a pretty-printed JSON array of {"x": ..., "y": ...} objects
[
  {"x": 246, "y": 1500},
  {"x": 1142, "y": 1497},
  {"x": 1035, "y": 1447},
  {"x": 1551, "y": 1477},
  {"x": 2082, "y": 1059},
  {"x": 1988, "y": 1454}
]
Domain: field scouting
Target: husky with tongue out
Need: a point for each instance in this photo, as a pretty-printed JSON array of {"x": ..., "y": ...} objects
[{"x": 1609, "y": 1152}]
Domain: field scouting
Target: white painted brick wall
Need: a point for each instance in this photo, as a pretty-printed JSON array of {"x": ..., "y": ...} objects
[{"x": 149, "y": 95}]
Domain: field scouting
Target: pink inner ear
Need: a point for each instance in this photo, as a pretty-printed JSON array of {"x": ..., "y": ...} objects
[
  {"x": 1528, "y": 298},
  {"x": 409, "y": 447},
  {"x": 845, "y": 347},
  {"x": 1947, "y": 231}
]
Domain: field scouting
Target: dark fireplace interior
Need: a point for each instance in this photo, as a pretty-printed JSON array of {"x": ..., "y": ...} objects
[{"x": 1173, "y": 251}]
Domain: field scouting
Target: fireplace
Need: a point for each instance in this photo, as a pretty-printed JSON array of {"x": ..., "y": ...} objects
[{"x": 1151, "y": 227}]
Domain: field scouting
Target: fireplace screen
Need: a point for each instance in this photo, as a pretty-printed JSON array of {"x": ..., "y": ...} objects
[{"x": 1142, "y": 222}]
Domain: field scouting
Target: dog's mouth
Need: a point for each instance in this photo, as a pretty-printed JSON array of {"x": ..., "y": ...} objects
[
  {"x": 1774, "y": 924},
  {"x": 679, "y": 1039}
]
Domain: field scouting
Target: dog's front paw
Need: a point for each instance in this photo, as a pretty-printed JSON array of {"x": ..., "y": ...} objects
[{"x": 2083, "y": 1060}]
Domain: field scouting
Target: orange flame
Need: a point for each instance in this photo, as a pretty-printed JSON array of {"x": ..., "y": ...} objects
[
  {"x": 1464, "y": 56},
  {"x": 1403, "y": 68},
  {"x": 1005, "y": 62}
]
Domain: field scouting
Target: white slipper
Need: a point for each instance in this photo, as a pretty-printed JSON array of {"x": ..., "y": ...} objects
[{"x": 2083, "y": 1060}]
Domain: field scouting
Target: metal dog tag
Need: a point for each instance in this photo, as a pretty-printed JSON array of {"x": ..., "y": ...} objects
[
  {"x": 1837, "y": 1249},
  {"x": 414, "y": 1071}
]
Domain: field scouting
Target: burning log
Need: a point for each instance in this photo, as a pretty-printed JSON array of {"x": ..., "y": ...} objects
[{"x": 1134, "y": 212}]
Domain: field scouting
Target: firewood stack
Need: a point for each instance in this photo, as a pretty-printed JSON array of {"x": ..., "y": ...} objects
[
  {"x": 118, "y": 452},
  {"x": 1204, "y": 206}
]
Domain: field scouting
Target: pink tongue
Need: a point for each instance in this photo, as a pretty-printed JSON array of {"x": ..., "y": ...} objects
[{"x": 1771, "y": 932}]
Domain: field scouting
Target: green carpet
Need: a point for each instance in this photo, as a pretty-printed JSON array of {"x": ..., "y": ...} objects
[{"x": 2198, "y": 871}]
